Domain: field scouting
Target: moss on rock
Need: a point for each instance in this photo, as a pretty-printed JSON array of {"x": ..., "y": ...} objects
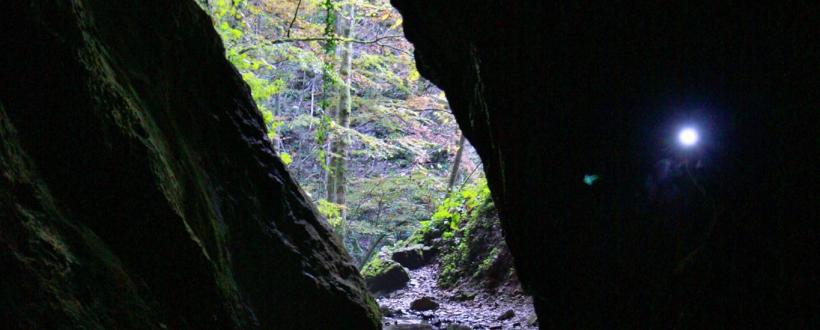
[
  {"x": 480, "y": 253},
  {"x": 466, "y": 234},
  {"x": 382, "y": 276},
  {"x": 413, "y": 256}
]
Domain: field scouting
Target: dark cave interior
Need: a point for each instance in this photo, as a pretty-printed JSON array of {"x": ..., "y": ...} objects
[{"x": 138, "y": 192}]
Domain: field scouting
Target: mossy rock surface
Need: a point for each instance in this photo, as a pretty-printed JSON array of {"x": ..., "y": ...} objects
[
  {"x": 414, "y": 256},
  {"x": 465, "y": 236},
  {"x": 477, "y": 251},
  {"x": 384, "y": 276}
]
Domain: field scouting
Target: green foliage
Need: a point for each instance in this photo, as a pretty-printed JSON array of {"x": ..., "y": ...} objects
[
  {"x": 286, "y": 158},
  {"x": 330, "y": 23},
  {"x": 331, "y": 211},
  {"x": 453, "y": 220},
  {"x": 378, "y": 266},
  {"x": 255, "y": 71},
  {"x": 401, "y": 133},
  {"x": 488, "y": 261},
  {"x": 452, "y": 211},
  {"x": 390, "y": 206}
]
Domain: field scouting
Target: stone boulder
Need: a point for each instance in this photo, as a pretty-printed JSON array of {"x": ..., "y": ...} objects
[
  {"x": 384, "y": 276},
  {"x": 414, "y": 256},
  {"x": 424, "y": 304},
  {"x": 506, "y": 315}
]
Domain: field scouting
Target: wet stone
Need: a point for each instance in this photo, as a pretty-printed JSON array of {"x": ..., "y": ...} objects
[
  {"x": 506, "y": 315},
  {"x": 413, "y": 257},
  {"x": 464, "y": 296},
  {"x": 478, "y": 313},
  {"x": 424, "y": 304}
]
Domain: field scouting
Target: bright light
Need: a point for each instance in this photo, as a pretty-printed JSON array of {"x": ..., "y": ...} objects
[{"x": 688, "y": 137}]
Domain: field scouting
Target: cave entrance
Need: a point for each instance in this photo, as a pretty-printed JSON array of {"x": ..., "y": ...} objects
[{"x": 373, "y": 144}]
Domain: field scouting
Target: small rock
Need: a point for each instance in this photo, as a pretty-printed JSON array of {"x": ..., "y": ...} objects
[
  {"x": 423, "y": 304},
  {"x": 464, "y": 296},
  {"x": 386, "y": 311},
  {"x": 496, "y": 327},
  {"x": 506, "y": 315},
  {"x": 458, "y": 327}
]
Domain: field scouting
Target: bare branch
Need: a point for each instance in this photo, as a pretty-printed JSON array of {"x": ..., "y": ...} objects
[{"x": 295, "y": 14}]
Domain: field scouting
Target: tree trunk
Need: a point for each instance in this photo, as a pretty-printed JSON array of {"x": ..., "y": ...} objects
[
  {"x": 329, "y": 96},
  {"x": 456, "y": 164},
  {"x": 344, "y": 107},
  {"x": 330, "y": 158}
]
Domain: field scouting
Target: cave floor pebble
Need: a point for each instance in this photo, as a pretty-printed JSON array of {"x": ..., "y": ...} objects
[{"x": 481, "y": 312}]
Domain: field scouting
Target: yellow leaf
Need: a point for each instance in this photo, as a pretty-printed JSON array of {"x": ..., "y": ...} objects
[
  {"x": 286, "y": 158},
  {"x": 397, "y": 24},
  {"x": 414, "y": 75}
]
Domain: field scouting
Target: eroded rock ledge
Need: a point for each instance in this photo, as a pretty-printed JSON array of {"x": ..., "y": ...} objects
[{"x": 138, "y": 189}]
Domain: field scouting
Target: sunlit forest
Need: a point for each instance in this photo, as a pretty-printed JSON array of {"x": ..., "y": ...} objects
[{"x": 370, "y": 141}]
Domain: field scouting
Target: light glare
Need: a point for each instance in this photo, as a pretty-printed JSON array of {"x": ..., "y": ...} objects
[{"x": 688, "y": 137}]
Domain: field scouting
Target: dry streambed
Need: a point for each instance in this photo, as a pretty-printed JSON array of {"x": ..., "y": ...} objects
[{"x": 460, "y": 308}]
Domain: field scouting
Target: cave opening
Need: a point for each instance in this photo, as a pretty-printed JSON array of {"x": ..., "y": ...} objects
[
  {"x": 376, "y": 148},
  {"x": 650, "y": 162}
]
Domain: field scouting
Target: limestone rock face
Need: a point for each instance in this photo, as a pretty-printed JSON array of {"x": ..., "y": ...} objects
[
  {"x": 553, "y": 92},
  {"x": 137, "y": 186}
]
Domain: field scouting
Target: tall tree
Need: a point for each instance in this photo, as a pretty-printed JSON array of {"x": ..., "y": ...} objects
[
  {"x": 337, "y": 181},
  {"x": 328, "y": 94},
  {"x": 328, "y": 101},
  {"x": 345, "y": 106}
]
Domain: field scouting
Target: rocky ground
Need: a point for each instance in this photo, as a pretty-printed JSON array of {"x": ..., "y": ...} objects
[{"x": 464, "y": 307}]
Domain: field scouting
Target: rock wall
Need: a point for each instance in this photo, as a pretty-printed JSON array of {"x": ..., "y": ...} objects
[
  {"x": 551, "y": 91},
  {"x": 138, "y": 189}
]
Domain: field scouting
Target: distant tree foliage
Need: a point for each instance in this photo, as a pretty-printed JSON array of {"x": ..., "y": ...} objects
[{"x": 336, "y": 84}]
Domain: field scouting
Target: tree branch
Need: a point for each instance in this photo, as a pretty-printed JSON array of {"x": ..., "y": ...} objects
[
  {"x": 334, "y": 38},
  {"x": 295, "y": 14}
]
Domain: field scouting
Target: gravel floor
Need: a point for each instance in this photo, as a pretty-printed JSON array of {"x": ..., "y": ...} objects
[{"x": 481, "y": 312}]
